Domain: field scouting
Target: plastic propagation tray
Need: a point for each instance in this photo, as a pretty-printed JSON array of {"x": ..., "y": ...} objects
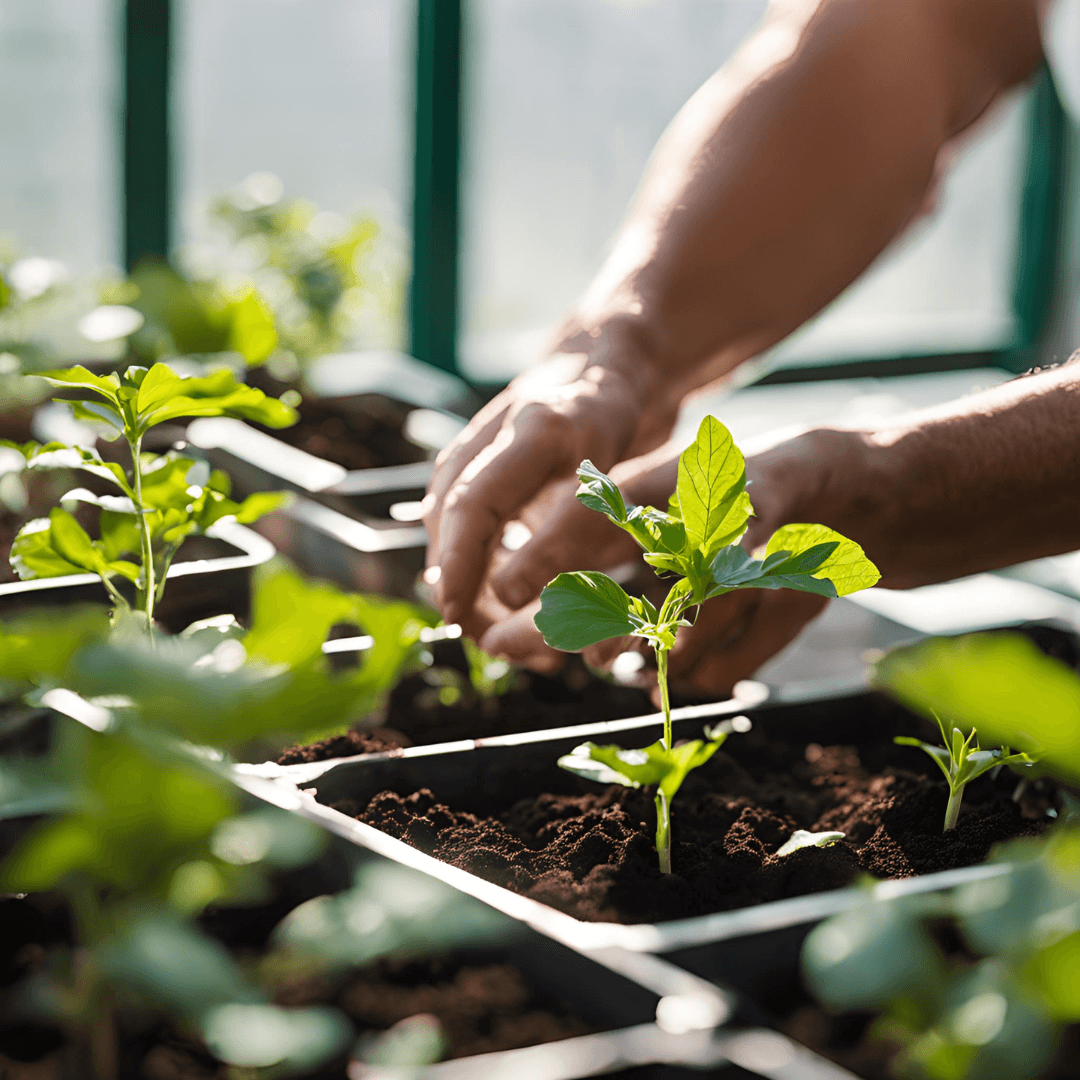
[
  {"x": 653, "y": 1013},
  {"x": 753, "y": 951},
  {"x": 211, "y": 576},
  {"x": 341, "y": 525}
]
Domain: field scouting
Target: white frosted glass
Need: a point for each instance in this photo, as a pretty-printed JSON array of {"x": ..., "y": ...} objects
[
  {"x": 565, "y": 101},
  {"x": 318, "y": 92},
  {"x": 60, "y": 129}
]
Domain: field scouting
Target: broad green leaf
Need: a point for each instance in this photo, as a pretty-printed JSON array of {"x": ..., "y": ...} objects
[
  {"x": 614, "y": 765},
  {"x": 599, "y": 492},
  {"x": 291, "y": 617},
  {"x": 872, "y": 954},
  {"x": 252, "y": 333},
  {"x": 651, "y": 765},
  {"x": 78, "y": 376},
  {"x": 712, "y": 476},
  {"x": 1001, "y": 685},
  {"x": 256, "y": 1036},
  {"x": 158, "y": 385},
  {"x": 166, "y": 483},
  {"x": 33, "y": 554},
  {"x": 389, "y": 909},
  {"x": 55, "y": 456},
  {"x": 172, "y": 963},
  {"x": 39, "y": 645},
  {"x": 847, "y": 567},
  {"x": 50, "y": 852},
  {"x": 581, "y": 608},
  {"x": 97, "y": 413},
  {"x": 115, "y": 504},
  {"x": 395, "y": 627},
  {"x": 71, "y": 541}
]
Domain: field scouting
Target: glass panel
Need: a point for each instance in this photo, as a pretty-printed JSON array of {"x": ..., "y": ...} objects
[
  {"x": 60, "y": 79},
  {"x": 565, "y": 101},
  {"x": 316, "y": 92}
]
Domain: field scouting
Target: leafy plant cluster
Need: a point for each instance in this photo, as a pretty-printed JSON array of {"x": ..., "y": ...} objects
[
  {"x": 152, "y": 509},
  {"x": 317, "y": 270},
  {"x": 696, "y": 541},
  {"x": 142, "y": 836},
  {"x": 998, "y": 1007},
  {"x": 139, "y": 825}
]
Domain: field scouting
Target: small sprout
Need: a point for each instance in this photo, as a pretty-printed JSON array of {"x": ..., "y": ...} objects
[
  {"x": 961, "y": 760},
  {"x": 802, "y": 838},
  {"x": 697, "y": 541}
]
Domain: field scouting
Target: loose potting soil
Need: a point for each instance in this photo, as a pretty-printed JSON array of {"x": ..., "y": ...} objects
[
  {"x": 589, "y": 850},
  {"x": 359, "y": 432},
  {"x": 416, "y": 715}
]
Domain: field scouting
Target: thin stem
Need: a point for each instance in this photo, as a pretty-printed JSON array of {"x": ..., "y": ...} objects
[
  {"x": 665, "y": 701},
  {"x": 111, "y": 589},
  {"x": 952, "y": 811},
  {"x": 146, "y": 544},
  {"x": 663, "y": 832}
]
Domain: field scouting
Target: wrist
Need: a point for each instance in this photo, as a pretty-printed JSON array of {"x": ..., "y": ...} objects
[
  {"x": 620, "y": 349},
  {"x": 822, "y": 476}
]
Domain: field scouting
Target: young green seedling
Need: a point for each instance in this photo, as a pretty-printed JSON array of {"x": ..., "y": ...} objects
[
  {"x": 697, "y": 541},
  {"x": 961, "y": 760},
  {"x": 164, "y": 500}
]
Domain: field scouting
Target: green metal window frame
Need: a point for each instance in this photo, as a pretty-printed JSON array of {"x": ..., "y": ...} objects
[{"x": 434, "y": 291}]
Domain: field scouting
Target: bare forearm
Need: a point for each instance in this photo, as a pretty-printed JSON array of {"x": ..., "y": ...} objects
[
  {"x": 788, "y": 173},
  {"x": 985, "y": 482}
]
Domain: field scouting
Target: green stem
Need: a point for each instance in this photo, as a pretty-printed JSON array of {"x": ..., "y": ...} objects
[
  {"x": 952, "y": 811},
  {"x": 663, "y": 810},
  {"x": 665, "y": 701},
  {"x": 117, "y": 599},
  {"x": 663, "y": 832},
  {"x": 149, "y": 590}
]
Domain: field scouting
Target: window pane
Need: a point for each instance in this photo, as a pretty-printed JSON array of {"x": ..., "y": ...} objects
[
  {"x": 317, "y": 92},
  {"x": 60, "y": 129},
  {"x": 565, "y": 101}
]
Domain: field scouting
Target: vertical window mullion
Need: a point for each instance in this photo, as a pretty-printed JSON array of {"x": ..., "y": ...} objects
[
  {"x": 433, "y": 295},
  {"x": 146, "y": 129}
]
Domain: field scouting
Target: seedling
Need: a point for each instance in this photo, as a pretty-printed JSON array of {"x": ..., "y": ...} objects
[
  {"x": 162, "y": 501},
  {"x": 961, "y": 760},
  {"x": 697, "y": 542}
]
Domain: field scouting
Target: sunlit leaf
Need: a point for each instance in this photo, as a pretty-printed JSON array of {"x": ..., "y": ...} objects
[
  {"x": 581, "y": 608},
  {"x": 712, "y": 476}
]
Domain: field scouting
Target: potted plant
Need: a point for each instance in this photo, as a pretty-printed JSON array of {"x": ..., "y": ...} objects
[{"x": 778, "y": 821}]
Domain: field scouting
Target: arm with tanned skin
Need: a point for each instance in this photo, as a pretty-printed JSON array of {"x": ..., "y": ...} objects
[{"x": 775, "y": 187}]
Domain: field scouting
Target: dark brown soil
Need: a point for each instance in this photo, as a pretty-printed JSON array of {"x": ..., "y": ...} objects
[
  {"x": 360, "y": 432},
  {"x": 416, "y": 716},
  {"x": 482, "y": 1005},
  {"x": 588, "y": 850}
]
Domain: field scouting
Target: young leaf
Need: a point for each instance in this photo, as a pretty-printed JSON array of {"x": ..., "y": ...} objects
[
  {"x": 847, "y": 567},
  {"x": 654, "y": 764},
  {"x": 582, "y": 608},
  {"x": 78, "y": 376},
  {"x": 600, "y": 493},
  {"x": 56, "y": 456},
  {"x": 712, "y": 476},
  {"x": 33, "y": 554}
]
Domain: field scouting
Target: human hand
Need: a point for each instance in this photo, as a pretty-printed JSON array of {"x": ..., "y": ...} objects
[
  {"x": 733, "y": 635},
  {"x": 516, "y": 460}
]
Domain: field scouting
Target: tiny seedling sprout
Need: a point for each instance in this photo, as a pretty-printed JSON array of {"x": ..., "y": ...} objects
[
  {"x": 961, "y": 760},
  {"x": 696, "y": 540}
]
